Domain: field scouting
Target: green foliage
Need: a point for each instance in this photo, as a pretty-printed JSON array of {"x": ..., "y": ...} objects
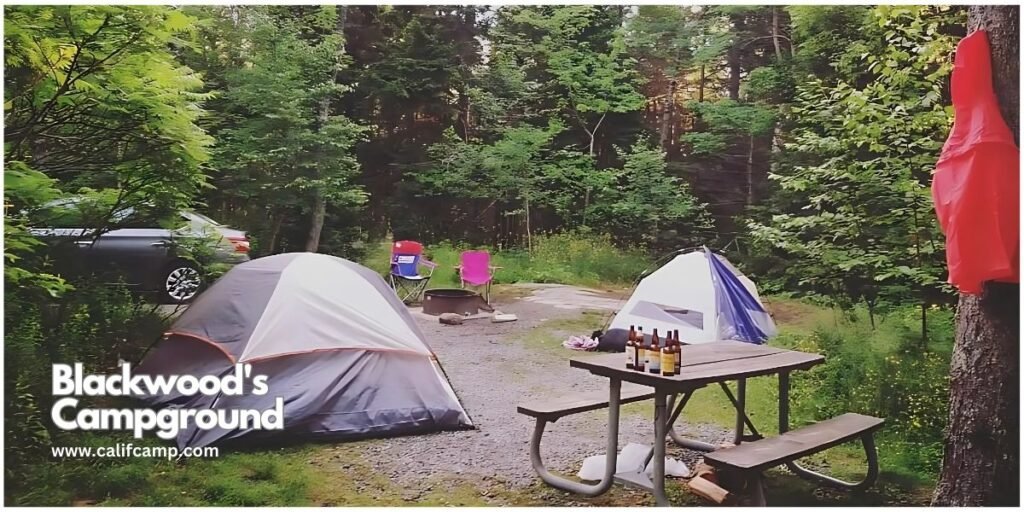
[
  {"x": 281, "y": 150},
  {"x": 589, "y": 78},
  {"x": 643, "y": 205},
  {"x": 825, "y": 32},
  {"x": 24, "y": 189},
  {"x": 771, "y": 85},
  {"x": 725, "y": 120},
  {"x": 857, "y": 221},
  {"x": 92, "y": 324},
  {"x": 520, "y": 167},
  {"x": 95, "y": 97}
]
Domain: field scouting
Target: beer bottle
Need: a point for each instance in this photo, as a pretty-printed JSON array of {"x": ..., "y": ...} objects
[
  {"x": 654, "y": 355},
  {"x": 668, "y": 358},
  {"x": 678, "y": 356},
  {"x": 631, "y": 349},
  {"x": 641, "y": 353}
]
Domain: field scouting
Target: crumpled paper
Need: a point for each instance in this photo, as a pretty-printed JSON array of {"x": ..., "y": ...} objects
[{"x": 580, "y": 343}]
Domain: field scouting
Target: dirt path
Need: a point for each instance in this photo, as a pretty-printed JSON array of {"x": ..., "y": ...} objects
[{"x": 492, "y": 369}]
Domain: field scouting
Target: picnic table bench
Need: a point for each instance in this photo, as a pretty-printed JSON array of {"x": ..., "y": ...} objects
[
  {"x": 551, "y": 410},
  {"x": 703, "y": 365}
]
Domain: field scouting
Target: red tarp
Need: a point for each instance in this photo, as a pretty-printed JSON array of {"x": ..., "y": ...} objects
[{"x": 975, "y": 186}]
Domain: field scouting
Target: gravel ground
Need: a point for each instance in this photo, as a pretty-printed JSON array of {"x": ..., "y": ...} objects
[{"x": 491, "y": 372}]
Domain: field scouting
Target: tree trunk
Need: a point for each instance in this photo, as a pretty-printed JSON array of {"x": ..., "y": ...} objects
[
  {"x": 464, "y": 111},
  {"x": 734, "y": 57},
  {"x": 775, "y": 32},
  {"x": 529, "y": 236},
  {"x": 750, "y": 172},
  {"x": 700, "y": 88},
  {"x": 276, "y": 219},
  {"x": 666, "y": 116},
  {"x": 593, "y": 138},
  {"x": 924, "y": 325},
  {"x": 319, "y": 211},
  {"x": 734, "y": 73},
  {"x": 316, "y": 225},
  {"x": 980, "y": 459}
]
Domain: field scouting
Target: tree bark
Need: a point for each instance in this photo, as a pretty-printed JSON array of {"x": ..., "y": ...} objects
[{"x": 980, "y": 460}]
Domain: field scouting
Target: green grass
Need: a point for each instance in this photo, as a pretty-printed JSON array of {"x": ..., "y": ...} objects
[
  {"x": 584, "y": 260},
  {"x": 549, "y": 335}
]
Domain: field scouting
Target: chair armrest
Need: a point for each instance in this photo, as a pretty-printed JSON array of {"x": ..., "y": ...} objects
[
  {"x": 495, "y": 267},
  {"x": 458, "y": 267},
  {"x": 427, "y": 263}
]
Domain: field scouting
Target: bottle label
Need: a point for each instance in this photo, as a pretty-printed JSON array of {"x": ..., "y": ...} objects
[
  {"x": 630, "y": 356},
  {"x": 641, "y": 356},
  {"x": 678, "y": 360},
  {"x": 667, "y": 362},
  {"x": 654, "y": 361}
]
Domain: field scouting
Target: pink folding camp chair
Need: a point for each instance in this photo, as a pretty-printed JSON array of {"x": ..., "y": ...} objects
[{"x": 476, "y": 270}]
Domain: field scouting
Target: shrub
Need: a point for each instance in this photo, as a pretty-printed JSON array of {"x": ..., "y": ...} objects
[
  {"x": 884, "y": 372},
  {"x": 93, "y": 324},
  {"x": 563, "y": 258}
]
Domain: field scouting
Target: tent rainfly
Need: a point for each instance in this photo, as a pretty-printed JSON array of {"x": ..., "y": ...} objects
[
  {"x": 333, "y": 339},
  {"x": 703, "y": 296}
]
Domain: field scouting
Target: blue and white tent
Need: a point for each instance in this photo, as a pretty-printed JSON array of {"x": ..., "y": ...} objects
[{"x": 703, "y": 296}]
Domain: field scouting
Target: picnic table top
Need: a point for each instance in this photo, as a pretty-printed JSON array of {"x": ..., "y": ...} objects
[{"x": 704, "y": 364}]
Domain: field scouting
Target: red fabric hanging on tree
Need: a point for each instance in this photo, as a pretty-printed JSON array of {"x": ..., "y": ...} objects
[{"x": 975, "y": 186}]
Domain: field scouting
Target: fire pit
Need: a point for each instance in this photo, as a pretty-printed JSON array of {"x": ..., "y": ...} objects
[{"x": 452, "y": 300}]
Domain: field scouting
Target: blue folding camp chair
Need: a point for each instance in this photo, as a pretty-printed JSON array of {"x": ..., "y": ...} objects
[{"x": 406, "y": 261}]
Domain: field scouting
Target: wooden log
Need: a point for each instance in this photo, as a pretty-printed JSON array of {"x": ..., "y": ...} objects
[
  {"x": 450, "y": 319},
  {"x": 708, "y": 490}
]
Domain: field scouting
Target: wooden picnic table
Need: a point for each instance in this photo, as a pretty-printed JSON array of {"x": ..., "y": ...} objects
[{"x": 704, "y": 364}]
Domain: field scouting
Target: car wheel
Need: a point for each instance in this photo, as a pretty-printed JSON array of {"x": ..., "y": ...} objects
[{"x": 181, "y": 282}]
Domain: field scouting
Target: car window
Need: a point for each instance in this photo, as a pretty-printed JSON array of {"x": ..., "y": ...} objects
[{"x": 76, "y": 212}]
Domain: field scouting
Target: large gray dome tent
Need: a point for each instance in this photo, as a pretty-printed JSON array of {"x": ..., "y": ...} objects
[{"x": 335, "y": 342}]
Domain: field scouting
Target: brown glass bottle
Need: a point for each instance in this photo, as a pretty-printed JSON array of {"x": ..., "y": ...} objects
[
  {"x": 654, "y": 354},
  {"x": 668, "y": 358},
  {"x": 631, "y": 349},
  {"x": 641, "y": 353},
  {"x": 678, "y": 355}
]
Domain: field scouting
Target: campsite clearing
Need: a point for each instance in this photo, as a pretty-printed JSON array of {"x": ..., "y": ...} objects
[{"x": 491, "y": 366}]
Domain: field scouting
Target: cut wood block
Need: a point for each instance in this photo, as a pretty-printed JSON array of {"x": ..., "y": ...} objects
[
  {"x": 708, "y": 490},
  {"x": 706, "y": 472}
]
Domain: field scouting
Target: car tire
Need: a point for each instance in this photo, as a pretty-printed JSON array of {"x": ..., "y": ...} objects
[{"x": 181, "y": 282}]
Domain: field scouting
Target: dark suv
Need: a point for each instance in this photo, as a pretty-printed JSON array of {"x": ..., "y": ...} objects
[{"x": 144, "y": 255}]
